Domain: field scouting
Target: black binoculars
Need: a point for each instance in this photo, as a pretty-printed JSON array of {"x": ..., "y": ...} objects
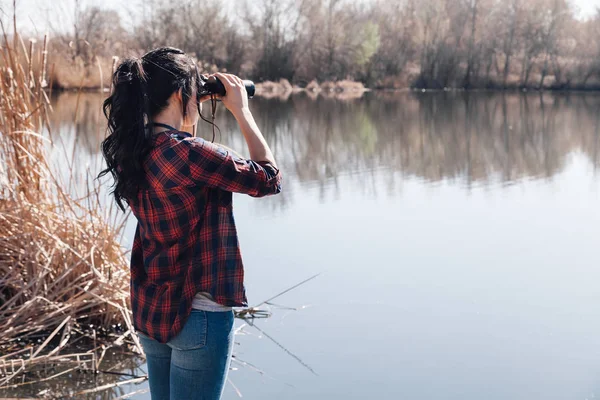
[{"x": 213, "y": 85}]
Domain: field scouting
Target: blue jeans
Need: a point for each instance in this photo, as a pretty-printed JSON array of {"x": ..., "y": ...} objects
[{"x": 194, "y": 364}]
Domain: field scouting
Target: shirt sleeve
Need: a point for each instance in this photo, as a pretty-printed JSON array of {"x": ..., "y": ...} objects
[{"x": 216, "y": 167}]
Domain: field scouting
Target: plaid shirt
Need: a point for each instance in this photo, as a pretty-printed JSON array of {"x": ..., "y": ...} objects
[{"x": 185, "y": 239}]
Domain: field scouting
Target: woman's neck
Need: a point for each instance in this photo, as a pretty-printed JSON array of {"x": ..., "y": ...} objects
[{"x": 168, "y": 117}]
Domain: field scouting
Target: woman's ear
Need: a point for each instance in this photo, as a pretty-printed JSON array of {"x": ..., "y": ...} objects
[{"x": 179, "y": 95}]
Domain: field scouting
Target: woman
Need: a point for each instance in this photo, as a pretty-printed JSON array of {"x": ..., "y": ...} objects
[{"x": 186, "y": 267}]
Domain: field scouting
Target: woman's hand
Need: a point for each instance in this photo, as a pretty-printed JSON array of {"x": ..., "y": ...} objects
[
  {"x": 236, "y": 97},
  {"x": 236, "y": 101}
]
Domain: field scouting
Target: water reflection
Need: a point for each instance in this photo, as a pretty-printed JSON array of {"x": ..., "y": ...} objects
[
  {"x": 118, "y": 367},
  {"x": 77, "y": 119},
  {"x": 482, "y": 287},
  {"x": 469, "y": 138}
]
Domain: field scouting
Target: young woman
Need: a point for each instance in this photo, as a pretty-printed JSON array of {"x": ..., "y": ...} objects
[{"x": 186, "y": 267}]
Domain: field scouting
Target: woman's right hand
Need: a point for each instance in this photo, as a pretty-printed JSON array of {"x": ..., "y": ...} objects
[
  {"x": 236, "y": 101},
  {"x": 236, "y": 97}
]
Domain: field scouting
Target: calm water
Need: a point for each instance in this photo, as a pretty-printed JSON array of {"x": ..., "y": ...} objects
[{"x": 456, "y": 235}]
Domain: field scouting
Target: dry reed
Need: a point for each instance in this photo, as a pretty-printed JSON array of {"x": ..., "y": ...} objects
[
  {"x": 282, "y": 90},
  {"x": 343, "y": 86},
  {"x": 62, "y": 267},
  {"x": 269, "y": 89}
]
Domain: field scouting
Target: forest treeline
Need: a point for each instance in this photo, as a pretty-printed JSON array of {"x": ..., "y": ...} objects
[{"x": 391, "y": 44}]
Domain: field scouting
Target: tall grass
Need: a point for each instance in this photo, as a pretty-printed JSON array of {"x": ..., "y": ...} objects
[{"x": 62, "y": 268}]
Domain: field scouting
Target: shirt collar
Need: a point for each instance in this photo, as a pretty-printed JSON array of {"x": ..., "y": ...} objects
[
  {"x": 180, "y": 135},
  {"x": 173, "y": 134}
]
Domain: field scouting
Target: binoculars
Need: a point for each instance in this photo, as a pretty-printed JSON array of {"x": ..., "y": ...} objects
[{"x": 213, "y": 85}]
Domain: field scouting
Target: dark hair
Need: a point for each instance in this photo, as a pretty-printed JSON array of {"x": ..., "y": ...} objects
[{"x": 141, "y": 89}]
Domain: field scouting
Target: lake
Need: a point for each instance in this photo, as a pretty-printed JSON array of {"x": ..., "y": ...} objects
[{"x": 456, "y": 235}]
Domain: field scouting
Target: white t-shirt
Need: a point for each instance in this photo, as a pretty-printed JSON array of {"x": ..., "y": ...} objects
[{"x": 204, "y": 301}]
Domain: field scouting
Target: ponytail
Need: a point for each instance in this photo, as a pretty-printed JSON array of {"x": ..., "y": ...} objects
[
  {"x": 128, "y": 141},
  {"x": 141, "y": 90}
]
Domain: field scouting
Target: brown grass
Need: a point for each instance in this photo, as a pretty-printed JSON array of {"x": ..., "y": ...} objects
[
  {"x": 343, "y": 86},
  {"x": 343, "y": 90},
  {"x": 61, "y": 262},
  {"x": 313, "y": 86},
  {"x": 283, "y": 86},
  {"x": 269, "y": 89}
]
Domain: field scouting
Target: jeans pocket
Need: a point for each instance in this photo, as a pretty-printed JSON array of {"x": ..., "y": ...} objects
[{"x": 193, "y": 334}]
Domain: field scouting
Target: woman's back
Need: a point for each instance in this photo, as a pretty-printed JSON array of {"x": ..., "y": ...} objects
[
  {"x": 179, "y": 187},
  {"x": 186, "y": 240}
]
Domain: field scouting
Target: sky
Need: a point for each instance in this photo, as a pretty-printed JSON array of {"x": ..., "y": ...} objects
[
  {"x": 587, "y": 7},
  {"x": 34, "y": 14}
]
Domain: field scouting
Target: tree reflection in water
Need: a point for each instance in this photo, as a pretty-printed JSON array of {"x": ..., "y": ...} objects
[{"x": 467, "y": 138}]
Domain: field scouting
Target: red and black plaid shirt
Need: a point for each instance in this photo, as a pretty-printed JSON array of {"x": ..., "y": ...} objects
[{"x": 186, "y": 240}]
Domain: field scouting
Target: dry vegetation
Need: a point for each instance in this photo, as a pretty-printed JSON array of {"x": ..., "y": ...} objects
[
  {"x": 62, "y": 266},
  {"x": 283, "y": 89}
]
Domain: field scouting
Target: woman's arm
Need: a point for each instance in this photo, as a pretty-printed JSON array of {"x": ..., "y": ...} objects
[
  {"x": 211, "y": 165},
  {"x": 236, "y": 101}
]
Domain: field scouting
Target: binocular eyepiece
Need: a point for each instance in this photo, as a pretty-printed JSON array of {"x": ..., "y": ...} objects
[{"x": 213, "y": 85}]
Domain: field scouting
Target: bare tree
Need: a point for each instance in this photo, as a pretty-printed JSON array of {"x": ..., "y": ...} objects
[
  {"x": 551, "y": 27},
  {"x": 510, "y": 15},
  {"x": 428, "y": 43}
]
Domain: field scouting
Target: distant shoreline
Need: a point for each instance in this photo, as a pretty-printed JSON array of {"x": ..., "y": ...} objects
[
  {"x": 283, "y": 88},
  {"x": 296, "y": 90}
]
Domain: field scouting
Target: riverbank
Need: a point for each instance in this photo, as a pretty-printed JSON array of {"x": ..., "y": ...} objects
[{"x": 283, "y": 89}]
